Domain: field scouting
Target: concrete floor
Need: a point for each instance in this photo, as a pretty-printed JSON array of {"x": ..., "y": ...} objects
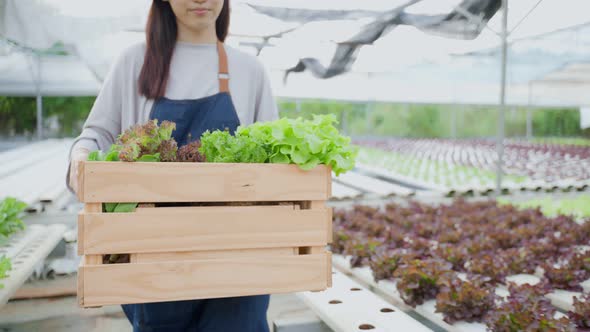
[{"x": 63, "y": 315}]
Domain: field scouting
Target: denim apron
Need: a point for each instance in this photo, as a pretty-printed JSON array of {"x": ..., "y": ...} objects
[{"x": 235, "y": 314}]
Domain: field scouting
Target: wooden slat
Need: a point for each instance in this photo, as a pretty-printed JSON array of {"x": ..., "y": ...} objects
[
  {"x": 80, "y": 240},
  {"x": 80, "y": 283},
  {"x": 202, "y": 228},
  {"x": 210, "y": 254},
  {"x": 172, "y": 281},
  {"x": 329, "y": 268},
  {"x": 89, "y": 258},
  {"x": 177, "y": 209},
  {"x": 330, "y": 222},
  {"x": 201, "y": 182},
  {"x": 329, "y": 183},
  {"x": 60, "y": 286}
]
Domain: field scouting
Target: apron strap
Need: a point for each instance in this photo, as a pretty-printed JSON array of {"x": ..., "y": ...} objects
[{"x": 223, "y": 71}]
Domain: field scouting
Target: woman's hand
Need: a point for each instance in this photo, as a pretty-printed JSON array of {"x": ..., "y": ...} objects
[{"x": 78, "y": 155}]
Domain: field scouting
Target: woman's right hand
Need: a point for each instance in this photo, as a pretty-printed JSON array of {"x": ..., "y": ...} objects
[{"x": 78, "y": 155}]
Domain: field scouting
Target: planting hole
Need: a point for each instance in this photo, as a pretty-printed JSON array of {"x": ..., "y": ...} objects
[
  {"x": 387, "y": 310},
  {"x": 366, "y": 327},
  {"x": 354, "y": 289},
  {"x": 335, "y": 302}
]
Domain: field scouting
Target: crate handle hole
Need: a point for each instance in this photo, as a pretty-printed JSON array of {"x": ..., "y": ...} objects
[
  {"x": 387, "y": 310},
  {"x": 355, "y": 289},
  {"x": 335, "y": 302},
  {"x": 304, "y": 250}
]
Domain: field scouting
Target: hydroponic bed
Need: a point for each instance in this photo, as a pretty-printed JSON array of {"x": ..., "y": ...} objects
[
  {"x": 468, "y": 266},
  {"x": 461, "y": 166}
]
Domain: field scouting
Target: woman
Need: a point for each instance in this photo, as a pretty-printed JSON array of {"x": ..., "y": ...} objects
[{"x": 183, "y": 73}]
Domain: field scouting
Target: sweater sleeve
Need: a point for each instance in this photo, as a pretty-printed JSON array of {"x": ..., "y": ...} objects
[
  {"x": 103, "y": 124},
  {"x": 265, "y": 106}
]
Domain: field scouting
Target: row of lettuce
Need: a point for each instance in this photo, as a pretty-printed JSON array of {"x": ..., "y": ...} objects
[
  {"x": 11, "y": 213},
  {"x": 458, "y": 255}
]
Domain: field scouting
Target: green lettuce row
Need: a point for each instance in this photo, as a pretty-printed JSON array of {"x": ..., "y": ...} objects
[
  {"x": 5, "y": 266},
  {"x": 11, "y": 212},
  {"x": 578, "y": 207}
]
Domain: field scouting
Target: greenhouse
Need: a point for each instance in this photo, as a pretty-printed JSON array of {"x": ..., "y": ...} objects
[{"x": 334, "y": 165}]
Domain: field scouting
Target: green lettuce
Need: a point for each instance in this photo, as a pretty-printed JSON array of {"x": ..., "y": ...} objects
[
  {"x": 5, "y": 266},
  {"x": 11, "y": 212},
  {"x": 306, "y": 143}
]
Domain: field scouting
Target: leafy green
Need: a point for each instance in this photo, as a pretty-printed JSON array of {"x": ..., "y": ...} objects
[
  {"x": 222, "y": 147},
  {"x": 147, "y": 143},
  {"x": 579, "y": 207},
  {"x": 5, "y": 266},
  {"x": 95, "y": 156},
  {"x": 119, "y": 207},
  {"x": 307, "y": 143},
  {"x": 11, "y": 212},
  {"x": 149, "y": 158}
]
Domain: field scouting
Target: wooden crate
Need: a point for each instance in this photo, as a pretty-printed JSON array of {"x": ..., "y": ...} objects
[{"x": 273, "y": 241}]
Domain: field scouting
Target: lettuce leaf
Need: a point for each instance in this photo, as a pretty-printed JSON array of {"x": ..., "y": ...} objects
[{"x": 307, "y": 143}]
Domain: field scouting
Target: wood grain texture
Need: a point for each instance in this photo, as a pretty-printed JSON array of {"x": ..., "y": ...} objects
[
  {"x": 171, "y": 281},
  {"x": 329, "y": 268},
  {"x": 321, "y": 205},
  {"x": 60, "y": 286},
  {"x": 81, "y": 176},
  {"x": 80, "y": 239},
  {"x": 80, "y": 284},
  {"x": 202, "y": 228},
  {"x": 192, "y": 252},
  {"x": 201, "y": 182},
  {"x": 210, "y": 254},
  {"x": 329, "y": 222},
  {"x": 89, "y": 258}
]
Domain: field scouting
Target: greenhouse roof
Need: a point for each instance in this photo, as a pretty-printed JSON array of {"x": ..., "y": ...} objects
[{"x": 405, "y": 65}]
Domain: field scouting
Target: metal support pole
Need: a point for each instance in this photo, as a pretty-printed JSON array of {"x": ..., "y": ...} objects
[
  {"x": 370, "y": 106},
  {"x": 502, "y": 108},
  {"x": 529, "y": 123},
  {"x": 369, "y": 116},
  {"x": 39, "y": 117},
  {"x": 454, "y": 121},
  {"x": 39, "y": 98},
  {"x": 529, "y": 113},
  {"x": 343, "y": 123}
]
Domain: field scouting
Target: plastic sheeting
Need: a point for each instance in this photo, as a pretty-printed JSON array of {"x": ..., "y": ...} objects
[
  {"x": 465, "y": 21},
  {"x": 405, "y": 65}
]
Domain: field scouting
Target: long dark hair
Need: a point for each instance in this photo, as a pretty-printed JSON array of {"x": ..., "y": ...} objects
[{"x": 161, "y": 33}]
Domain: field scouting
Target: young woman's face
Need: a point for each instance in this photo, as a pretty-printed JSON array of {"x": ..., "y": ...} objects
[{"x": 196, "y": 14}]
